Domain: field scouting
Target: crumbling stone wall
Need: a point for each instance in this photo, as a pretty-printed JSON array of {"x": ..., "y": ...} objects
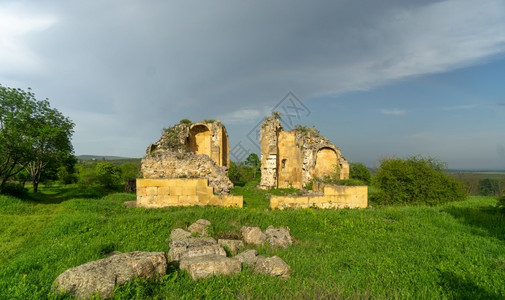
[
  {"x": 191, "y": 150},
  {"x": 293, "y": 158}
]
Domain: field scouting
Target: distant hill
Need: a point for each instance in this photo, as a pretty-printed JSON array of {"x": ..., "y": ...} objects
[{"x": 102, "y": 157}]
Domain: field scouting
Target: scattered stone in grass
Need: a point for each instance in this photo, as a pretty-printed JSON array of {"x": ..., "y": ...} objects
[
  {"x": 234, "y": 246},
  {"x": 178, "y": 234},
  {"x": 193, "y": 247},
  {"x": 101, "y": 276},
  {"x": 253, "y": 235},
  {"x": 278, "y": 237},
  {"x": 129, "y": 204},
  {"x": 273, "y": 266},
  {"x": 248, "y": 257},
  {"x": 204, "y": 266},
  {"x": 200, "y": 227}
]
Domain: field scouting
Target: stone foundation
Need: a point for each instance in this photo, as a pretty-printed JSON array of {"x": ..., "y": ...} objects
[
  {"x": 157, "y": 193},
  {"x": 325, "y": 196}
]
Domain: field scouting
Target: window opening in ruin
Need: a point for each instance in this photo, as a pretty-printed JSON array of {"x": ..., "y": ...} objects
[{"x": 283, "y": 163}]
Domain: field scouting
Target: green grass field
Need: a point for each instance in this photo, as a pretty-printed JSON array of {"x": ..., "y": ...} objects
[{"x": 452, "y": 251}]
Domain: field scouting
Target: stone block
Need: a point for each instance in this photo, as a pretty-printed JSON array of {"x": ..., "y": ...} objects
[
  {"x": 189, "y": 190},
  {"x": 273, "y": 266},
  {"x": 253, "y": 235},
  {"x": 100, "y": 277},
  {"x": 248, "y": 257},
  {"x": 232, "y": 245},
  {"x": 210, "y": 265},
  {"x": 151, "y": 191},
  {"x": 164, "y": 190}
]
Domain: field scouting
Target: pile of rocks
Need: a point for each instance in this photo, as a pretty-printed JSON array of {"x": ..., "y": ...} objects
[
  {"x": 194, "y": 251},
  {"x": 204, "y": 256}
]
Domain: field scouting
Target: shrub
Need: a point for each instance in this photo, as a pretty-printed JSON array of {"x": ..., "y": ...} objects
[
  {"x": 14, "y": 190},
  {"x": 501, "y": 204},
  {"x": 359, "y": 171},
  {"x": 416, "y": 180},
  {"x": 108, "y": 175}
]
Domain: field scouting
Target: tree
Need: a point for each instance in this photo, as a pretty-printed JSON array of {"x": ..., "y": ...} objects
[
  {"x": 16, "y": 134},
  {"x": 51, "y": 145},
  {"x": 33, "y": 136},
  {"x": 253, "y": 162},
  {"x": 108, "y": 174},
  {"x": 360, "y": 171}
]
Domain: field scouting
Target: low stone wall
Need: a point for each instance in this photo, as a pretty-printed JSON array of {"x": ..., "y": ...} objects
[
  {"x": 156, "y": 193},
  {"x": 333, "y": 196}
]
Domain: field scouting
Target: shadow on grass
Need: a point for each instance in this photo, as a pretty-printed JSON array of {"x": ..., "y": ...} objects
[
  {"x": 58, "y": 194},
  {"x": 490, "y": 219},
  {"x": 462, "y": 288}
]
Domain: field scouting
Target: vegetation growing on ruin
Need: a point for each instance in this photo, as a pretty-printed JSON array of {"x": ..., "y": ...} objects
[{"x": 174, "y": 136}]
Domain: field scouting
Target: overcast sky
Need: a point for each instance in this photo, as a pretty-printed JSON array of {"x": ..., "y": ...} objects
[{"x": 378, "y": 78}]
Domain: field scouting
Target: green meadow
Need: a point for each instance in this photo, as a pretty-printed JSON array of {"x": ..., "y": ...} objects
[{"x": 451, "y": 251}]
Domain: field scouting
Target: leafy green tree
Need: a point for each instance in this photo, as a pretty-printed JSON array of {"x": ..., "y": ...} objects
[
  {"x": 67, "y": 172},
  {"x": 253, "y": 161},
  {"x": 129, "y": 170},
  {"x": 16, "y": 131},
  {"x": 359, "y": 171},
  {"x": 108, "y": 174},
  {"x": 33, "y": 136},
  {"x": 52, "y": 145},
  {"x": 416, "y": 180}
]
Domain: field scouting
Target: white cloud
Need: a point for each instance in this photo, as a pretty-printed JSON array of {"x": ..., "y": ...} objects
[
  {"x": 394, "y": 112},
  {"x": 15, "y": 25}
]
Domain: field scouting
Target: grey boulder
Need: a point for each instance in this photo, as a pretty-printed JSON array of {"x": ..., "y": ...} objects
[
  {"x": 101, "y": 276},
  {"x": 200, "y": 267}
]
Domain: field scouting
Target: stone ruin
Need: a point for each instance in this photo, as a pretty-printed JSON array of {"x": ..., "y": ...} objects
[
  {"x": 188, "y": 165},
  {"x": 293, "y": 158},
  {"x": 191, "y": 150}
]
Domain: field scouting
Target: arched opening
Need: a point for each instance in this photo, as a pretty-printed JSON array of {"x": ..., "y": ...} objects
[
  {"x": 326, "y": 161},
  {"x": 199, "y": 140}
]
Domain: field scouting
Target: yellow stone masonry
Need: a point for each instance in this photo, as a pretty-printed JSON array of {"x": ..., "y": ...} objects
[
  {"x": 334, "y": 196},
  {"x": 157, "y": 193}
]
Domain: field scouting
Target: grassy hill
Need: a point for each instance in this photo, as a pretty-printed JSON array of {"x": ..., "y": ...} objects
[{"x": 452, "y": 251}]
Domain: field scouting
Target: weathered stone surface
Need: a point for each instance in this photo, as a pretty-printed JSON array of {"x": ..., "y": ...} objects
[
  {"x": 273, "y": 266},
  {"x": 248, "y": 257},
  {"x": 278, "y": 237},
  {"x": 178, "y": 234},
  {"x": 253, "y": 235},
  {"x": 200, "y": 227},
  {"x": 101, "y": 276},
  {"x": 233, "y": 245},
  {"x": 204, "y": 266},
  {"x": 166, "y": 164},
  {"x": 193, "y": 247},
  {"x": 129, "y": 204},
  {"x": 198, "y": 150},
  {"x": 293, "y": 158}
]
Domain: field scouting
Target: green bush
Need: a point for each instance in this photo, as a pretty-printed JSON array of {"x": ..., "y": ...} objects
[
  {"x": 14, "y": 190},
  {"x": 501, "y": 204},
  {"x": 416, "y": 180},
  {"x": 359, "y": 171},
  {"x": 108, "y": 175}
]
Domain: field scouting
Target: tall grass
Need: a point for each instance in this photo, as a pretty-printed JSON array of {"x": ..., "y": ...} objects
[{"x": 445, "y": 252}]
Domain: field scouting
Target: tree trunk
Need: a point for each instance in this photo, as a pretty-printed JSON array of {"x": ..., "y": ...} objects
[{"x": 35, "y": 186}]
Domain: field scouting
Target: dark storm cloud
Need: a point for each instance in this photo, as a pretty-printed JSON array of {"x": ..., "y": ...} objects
[{"x": 124, "y": 68}]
